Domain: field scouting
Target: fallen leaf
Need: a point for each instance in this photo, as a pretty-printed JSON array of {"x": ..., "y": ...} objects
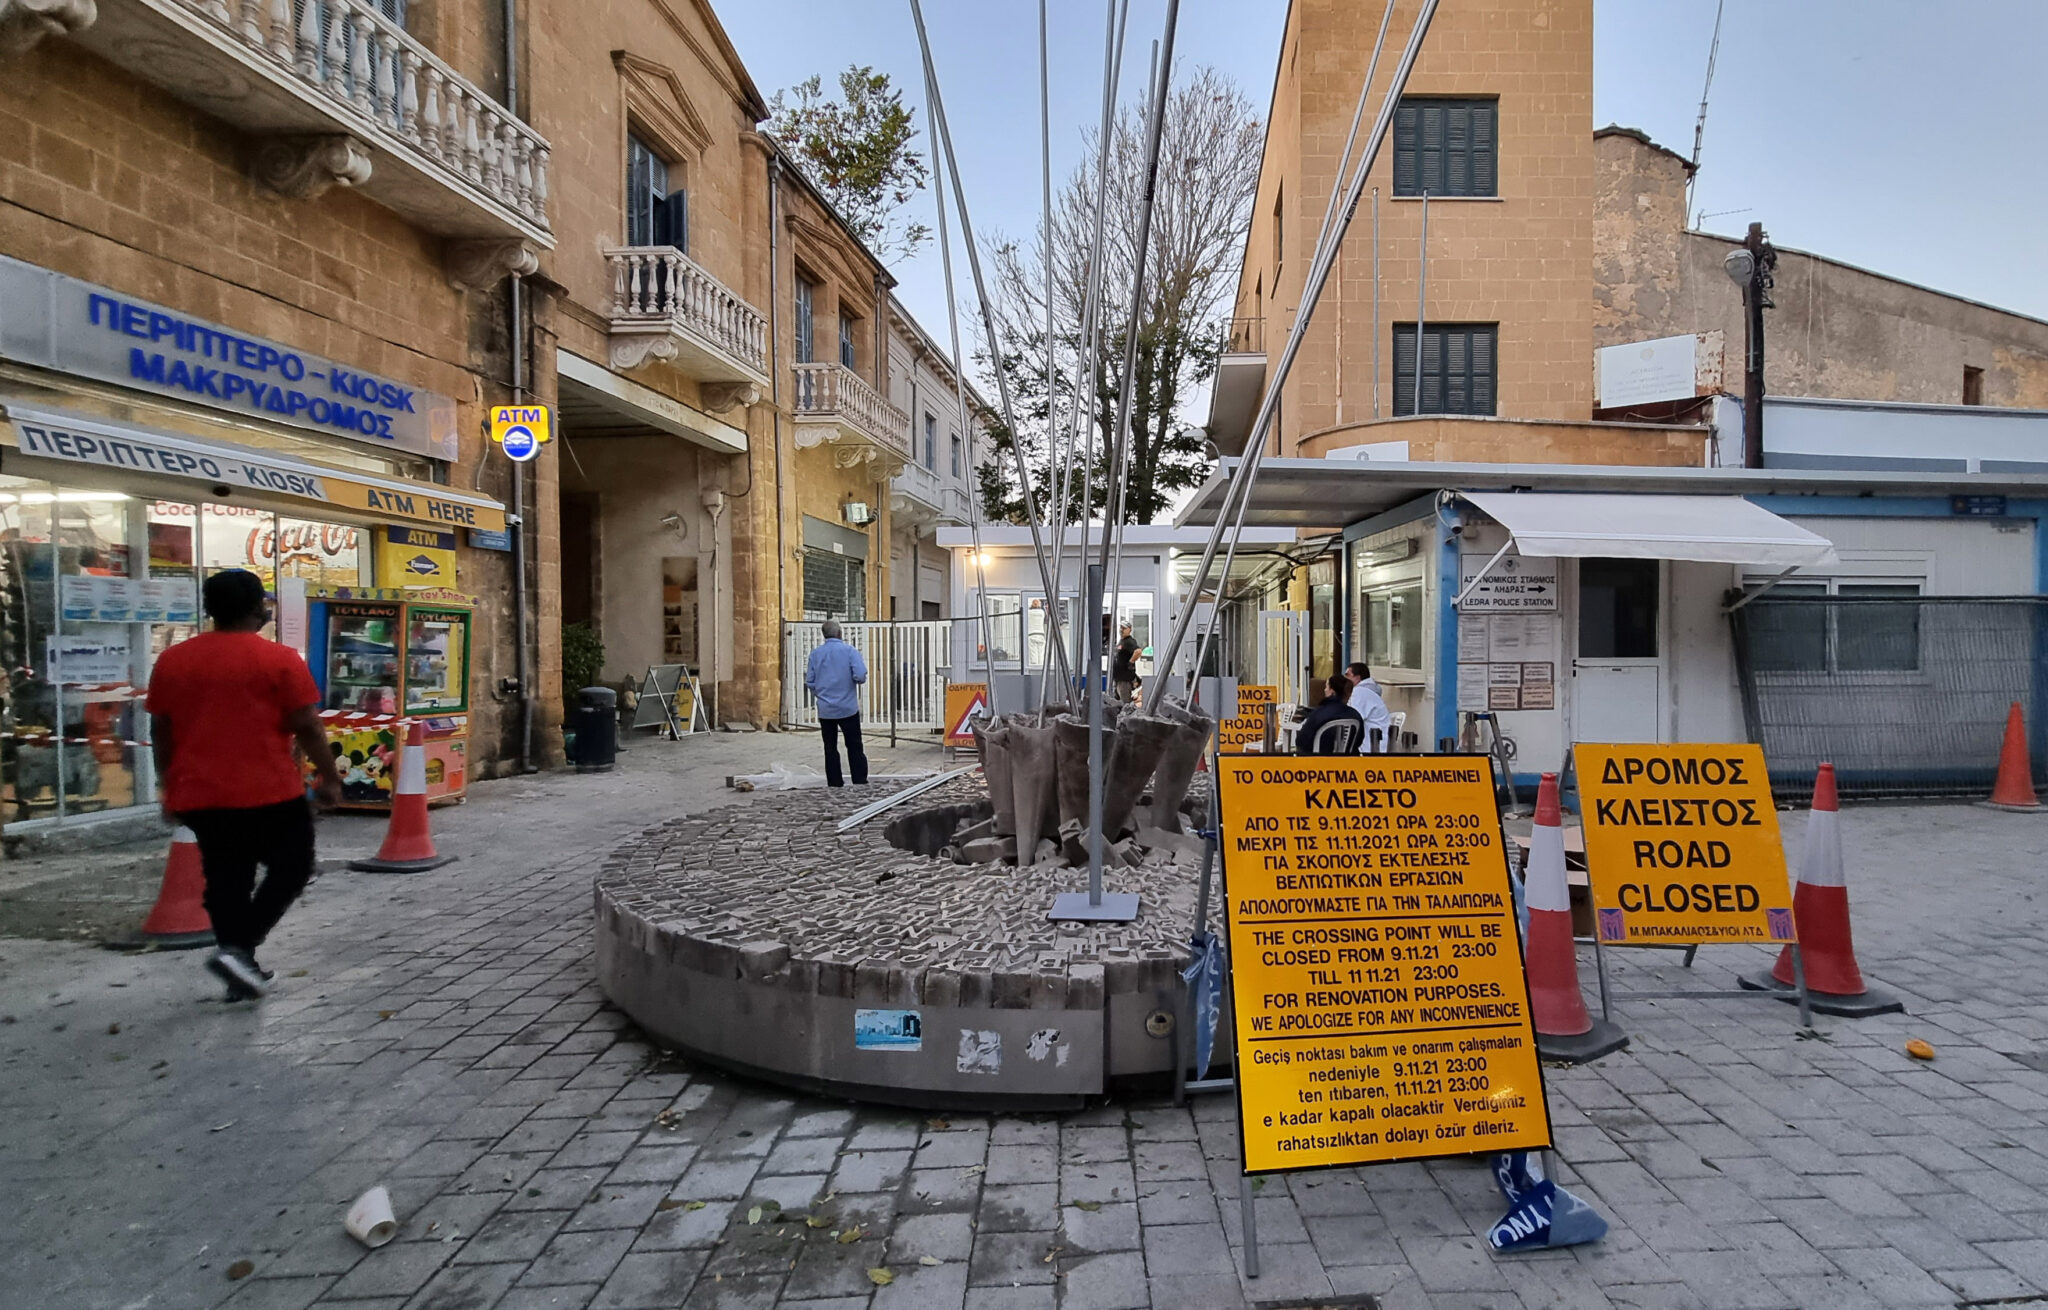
[
  {"x": 1258, "y": 1184},
  {"x": 851, "y": 1235},
  {"x": 1050, "y": 1254},
  {"x": 1090, "y": 1206},
  {"x": 668, "y": 1203},
  {"x": 754, "y": 1215},
  {"x": 298, "y": 973},
  {"x": 927, "y": 1259},
  {"x": 386, "y": 1014},
  {"x": 977, "y": 1168},
  {"x": 113, "y": 1029},
  {"x": 818, "y": 1220},
  {"x": 241, "y": 1269},
  {"x": 937, "y": 1125},
  {"x": 881, "y": 1277},
  {"x": 221, "y": 1128},
  {"x": 1920, "y": 1050},
  {"x": 696, "y": 1205},
  {"x": 771, "y": 1205}
]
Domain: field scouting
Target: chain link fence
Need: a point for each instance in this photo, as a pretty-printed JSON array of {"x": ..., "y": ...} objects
[{"x": 1906, "y": 695}]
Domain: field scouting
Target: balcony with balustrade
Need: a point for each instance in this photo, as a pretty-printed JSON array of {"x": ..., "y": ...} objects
[
  {"x": 833, "y": 405},
  {"x": 338, "y": 94},
  {"x": 922, "y": 497},
  {"x": 666, "y": 307}
]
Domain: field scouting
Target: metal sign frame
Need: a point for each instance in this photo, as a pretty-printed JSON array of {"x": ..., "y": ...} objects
[{"x": 662, "y": 687}]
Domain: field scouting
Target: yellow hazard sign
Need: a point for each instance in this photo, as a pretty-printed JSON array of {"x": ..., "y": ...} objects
[
  {"x": 1248, "y": 730},
  {"x": 966, "y": 702},
  {"x": 1682, "y": 844},
  {"x": 1381, "y": 1009}
]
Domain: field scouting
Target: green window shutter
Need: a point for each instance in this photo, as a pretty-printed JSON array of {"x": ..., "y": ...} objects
[
  {"x": 1446, "y": 147},
  {"x": 1458, "y": 368},
  {"x": 1404, "y": 369},
  {"x": 1407, "y": 149}
]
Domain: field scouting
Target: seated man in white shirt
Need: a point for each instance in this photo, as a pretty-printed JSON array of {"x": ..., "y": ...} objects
[{"x": 1366, "y": 699}]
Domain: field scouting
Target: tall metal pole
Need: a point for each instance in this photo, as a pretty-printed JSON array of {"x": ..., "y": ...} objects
[
  {"x": 988, "y": 319},
  {"x": 1238, "y": 493},
  {"x": 988, "y": 650},
  {"x": 1421, "y": 304},
  {"x": 1375, "y": 302},
  {"x": 1756, "y": 297}
]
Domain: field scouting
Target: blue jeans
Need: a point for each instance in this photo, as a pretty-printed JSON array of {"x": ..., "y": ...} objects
[{"x": 855, "y": 756}]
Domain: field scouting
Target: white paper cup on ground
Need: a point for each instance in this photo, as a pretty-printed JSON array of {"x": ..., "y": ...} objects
[{"x": 370, "y": 1220}]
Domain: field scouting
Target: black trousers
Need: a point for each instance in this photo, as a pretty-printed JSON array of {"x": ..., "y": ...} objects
[
  {"x": 231, "y": 844},
  {"x": 855, "y": 756}
]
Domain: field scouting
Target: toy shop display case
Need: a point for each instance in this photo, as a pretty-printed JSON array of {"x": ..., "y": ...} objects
[{"x": 385, "y": 658}]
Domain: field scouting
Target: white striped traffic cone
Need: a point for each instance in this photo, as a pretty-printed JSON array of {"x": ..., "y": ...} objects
[
  {"x": 408, "y": 844},
  {"x": 1820, "y": 908},
  {"x": 1565, "y": 1030}
]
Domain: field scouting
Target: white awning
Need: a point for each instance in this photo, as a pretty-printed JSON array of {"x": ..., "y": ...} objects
[{"x": 1708, "y": 529}]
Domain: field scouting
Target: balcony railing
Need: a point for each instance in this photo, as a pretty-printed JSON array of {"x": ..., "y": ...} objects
[
  {"x": 665, "y": 305},
  {"x": 926, "y": 496},
  {"x": 1245, "y": 336},
  {"x": 833, "y": 393},
  {"x": 348, "y": 98}
]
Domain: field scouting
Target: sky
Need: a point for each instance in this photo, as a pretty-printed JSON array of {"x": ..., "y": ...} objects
[{"x": 1898, "y": 135}]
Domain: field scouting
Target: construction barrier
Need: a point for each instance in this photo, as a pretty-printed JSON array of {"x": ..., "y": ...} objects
[
  {"x": 178, "y": 920},
  {"x": 408, "y": 842},
  {"x": 1565, "y": 1030}
]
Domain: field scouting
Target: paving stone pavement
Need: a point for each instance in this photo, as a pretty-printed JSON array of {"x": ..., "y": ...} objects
[{"x": 441, "y": 1034}]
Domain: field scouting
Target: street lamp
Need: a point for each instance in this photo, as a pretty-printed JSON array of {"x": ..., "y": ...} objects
[{"x": 1752, "y": 266}]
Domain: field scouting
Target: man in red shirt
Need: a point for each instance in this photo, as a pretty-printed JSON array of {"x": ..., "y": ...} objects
[{"x": 226, "y": 707}]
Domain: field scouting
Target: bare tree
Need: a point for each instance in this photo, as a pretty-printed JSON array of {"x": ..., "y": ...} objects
[{"x": 1210, "y": 150}]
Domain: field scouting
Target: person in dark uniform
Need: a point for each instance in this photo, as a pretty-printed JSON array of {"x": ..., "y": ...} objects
[
  {"x": 1124, "y": 671},
  {"x": 1333, "y": 727}
]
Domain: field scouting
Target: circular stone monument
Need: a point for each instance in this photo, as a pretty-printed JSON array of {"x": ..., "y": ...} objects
[{"x": 758, "y": 938}]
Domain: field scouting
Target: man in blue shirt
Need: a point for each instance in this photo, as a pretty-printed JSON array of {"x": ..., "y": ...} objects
[{"x": 834, "y": 677}]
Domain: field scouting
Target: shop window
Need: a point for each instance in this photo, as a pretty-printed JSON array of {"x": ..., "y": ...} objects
[
  {"x": 1618, "y": 609},
  {"x": 1446, "y": 147},
  {"x": 1393, "y": 627}
]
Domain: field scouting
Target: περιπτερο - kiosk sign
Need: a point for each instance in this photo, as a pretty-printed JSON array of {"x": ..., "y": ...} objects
[
  {"x": 1380, "y": 1005},
  {"x": 1682, "y": 844}
]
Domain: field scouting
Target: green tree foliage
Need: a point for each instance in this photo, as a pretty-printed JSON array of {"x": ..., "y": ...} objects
[{"x": 856, "y": 149}]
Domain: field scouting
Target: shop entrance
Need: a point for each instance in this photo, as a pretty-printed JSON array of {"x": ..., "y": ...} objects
[{"x": 1618, "y": 669}]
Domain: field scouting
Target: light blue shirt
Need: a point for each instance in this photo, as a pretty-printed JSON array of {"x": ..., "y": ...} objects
[{"x": 834, "y": 676}]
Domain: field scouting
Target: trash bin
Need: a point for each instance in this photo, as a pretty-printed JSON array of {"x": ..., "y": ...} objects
[{"x": 596, "y": 724}]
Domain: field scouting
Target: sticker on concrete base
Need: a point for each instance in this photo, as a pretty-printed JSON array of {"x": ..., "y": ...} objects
[
  {"x": 888, "y": 1030},
  {"x": 980, "y": 1052},
  {"x": 1042, "y": 1043}
]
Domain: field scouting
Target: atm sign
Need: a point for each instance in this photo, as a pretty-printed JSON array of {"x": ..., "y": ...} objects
[{"x": 522, "y": 429}]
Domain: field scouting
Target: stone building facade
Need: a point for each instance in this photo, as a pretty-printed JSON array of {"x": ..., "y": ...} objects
[{"x": 1836, "y": 330}]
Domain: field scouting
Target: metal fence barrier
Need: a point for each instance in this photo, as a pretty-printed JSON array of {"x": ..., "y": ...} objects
[
  {"x": 1905, "y": 695},
  {"x": 907, "y": 663}
]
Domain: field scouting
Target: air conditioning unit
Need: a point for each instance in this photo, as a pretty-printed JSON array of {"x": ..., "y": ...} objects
[{"x": 859, "y": 512}]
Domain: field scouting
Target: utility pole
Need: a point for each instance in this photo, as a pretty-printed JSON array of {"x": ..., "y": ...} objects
[{"x": 1753, "y": 268}]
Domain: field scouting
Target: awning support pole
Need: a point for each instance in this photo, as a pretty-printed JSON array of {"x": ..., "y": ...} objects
[
  {"x": 1749, "y": 596},
  {"x": 1481, "y": 577}
]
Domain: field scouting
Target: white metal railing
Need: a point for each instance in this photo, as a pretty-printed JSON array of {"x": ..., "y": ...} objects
[
  {"x": 906, "y": 686},
  {"x": 837, "y": 392},
  {"x": 664, "y": 284},
  {"x": 370, "y": 68}
]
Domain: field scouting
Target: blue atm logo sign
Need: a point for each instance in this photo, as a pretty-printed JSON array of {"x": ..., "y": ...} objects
[{"x": 521, "y": 429}]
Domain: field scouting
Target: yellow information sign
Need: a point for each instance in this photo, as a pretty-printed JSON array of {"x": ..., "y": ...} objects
[
  {"x": 1682, "y": 844},
  {"x": 1381, "y": 1008},
  {"x": 1248, "y": 730}
]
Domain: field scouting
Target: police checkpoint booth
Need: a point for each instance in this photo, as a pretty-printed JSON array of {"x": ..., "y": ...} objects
[{"x": 1883, "y": 619}]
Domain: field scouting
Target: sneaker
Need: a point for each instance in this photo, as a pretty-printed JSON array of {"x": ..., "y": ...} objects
[{"x": 240, "y": 971}]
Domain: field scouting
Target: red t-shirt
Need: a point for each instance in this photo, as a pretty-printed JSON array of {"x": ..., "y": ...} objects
[{"x": 226, "y": 696}]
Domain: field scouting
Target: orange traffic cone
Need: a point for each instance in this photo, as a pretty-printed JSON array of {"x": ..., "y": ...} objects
[
  {"x": 1564, "y": 1029},
  {"x": 2014, "y": 789},
  {"x": 408, "y": 845},
  {"x": 1820, "y": 907},
  {"x": 178, "y": 920}
]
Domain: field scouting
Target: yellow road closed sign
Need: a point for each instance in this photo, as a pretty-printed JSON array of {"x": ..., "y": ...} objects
[
  {"x": 1381, "y": 1008},
  {"x": 1682, "y": 844}
]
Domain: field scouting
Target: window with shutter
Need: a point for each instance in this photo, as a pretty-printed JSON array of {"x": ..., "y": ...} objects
[
  {"x": 806, "y": 301},
  {"x": 646, "y": 193},
  {"x": 1446, "y": 147},
  {"x": 1459, "y": 367}
]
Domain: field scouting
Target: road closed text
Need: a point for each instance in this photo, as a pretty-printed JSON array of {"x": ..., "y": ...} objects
[{"x": 1682, "y": 844}]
